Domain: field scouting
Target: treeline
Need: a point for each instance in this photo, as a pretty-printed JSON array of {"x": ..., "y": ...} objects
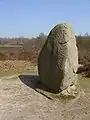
[{"x": 21, "y": 40}]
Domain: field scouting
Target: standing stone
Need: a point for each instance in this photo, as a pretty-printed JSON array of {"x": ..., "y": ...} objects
[{"x": 58, "y": 59}]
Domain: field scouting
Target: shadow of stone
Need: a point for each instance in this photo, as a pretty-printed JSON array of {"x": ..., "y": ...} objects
[{"x": 33, "y": 82}]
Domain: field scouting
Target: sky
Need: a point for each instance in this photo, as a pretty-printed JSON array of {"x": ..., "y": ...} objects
[{"x": 29, "y": 18}]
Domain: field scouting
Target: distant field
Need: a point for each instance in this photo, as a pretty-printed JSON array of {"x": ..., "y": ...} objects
[{"x": 28, "y": 49}]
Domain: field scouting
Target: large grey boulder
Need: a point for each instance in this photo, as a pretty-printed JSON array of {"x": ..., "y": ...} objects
[{"x": 58, "y": 59}]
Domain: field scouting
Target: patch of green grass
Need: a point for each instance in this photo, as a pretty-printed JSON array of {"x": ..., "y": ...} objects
[
  {"x": 2, "y": 74},
  {"x": 84, "y": 82},
  {"x": 10, "y": 73}
]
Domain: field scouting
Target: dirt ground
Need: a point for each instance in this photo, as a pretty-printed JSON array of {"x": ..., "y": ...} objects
[{"x": 20, "y": 101}]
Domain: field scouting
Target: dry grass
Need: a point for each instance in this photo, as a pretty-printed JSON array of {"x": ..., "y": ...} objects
[{"x": 9, "y": 66}]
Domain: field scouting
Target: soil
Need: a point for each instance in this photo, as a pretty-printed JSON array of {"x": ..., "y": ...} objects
[{"x": 19, "y": 100}]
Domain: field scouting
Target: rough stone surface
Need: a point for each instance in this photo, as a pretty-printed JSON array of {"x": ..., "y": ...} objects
[{"x": 58, "y": 59}]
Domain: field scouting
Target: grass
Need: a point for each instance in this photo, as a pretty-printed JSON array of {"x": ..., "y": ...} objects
[
  {"x": 10, "y": 67},
  {"x": 84, "y": 82},
  {"x": 10, "y": 73}
]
